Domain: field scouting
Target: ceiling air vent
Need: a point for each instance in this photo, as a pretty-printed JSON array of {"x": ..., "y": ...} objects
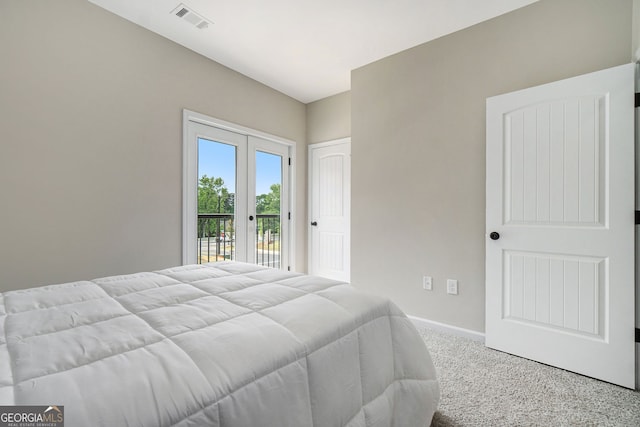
[{"x": 191, "y": 17}]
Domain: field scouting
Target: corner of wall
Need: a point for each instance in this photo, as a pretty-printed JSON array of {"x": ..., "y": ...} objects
[{"x": 635, "y": 31}]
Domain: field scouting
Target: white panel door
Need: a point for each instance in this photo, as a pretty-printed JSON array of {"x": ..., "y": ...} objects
[
  {"x": 330, "y": 201},
  {"x": 560, "y": 224}
]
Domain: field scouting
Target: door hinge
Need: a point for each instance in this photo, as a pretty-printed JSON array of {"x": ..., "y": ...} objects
[
  {"x": 637, "y": 100},
  {"x": 637, "y": 217},
  {"x": 637, "y": 334},
  {"x": 290, "y": 157},
  {"x": 289, "y": 269}
]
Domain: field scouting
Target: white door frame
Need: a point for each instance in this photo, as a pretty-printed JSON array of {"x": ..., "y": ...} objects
[
  {"x": 637, "y": 207},
  {"x": 190, "y": 182},
  {"x": 311, "y": 147}
]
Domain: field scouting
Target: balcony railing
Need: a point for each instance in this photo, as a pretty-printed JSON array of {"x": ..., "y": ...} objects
[
  {"x": 216, "y": 239},
  {"x": 267, "y": 240}
]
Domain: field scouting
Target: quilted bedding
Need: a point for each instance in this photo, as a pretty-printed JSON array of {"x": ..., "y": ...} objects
[{"x": 224, "y": 344}]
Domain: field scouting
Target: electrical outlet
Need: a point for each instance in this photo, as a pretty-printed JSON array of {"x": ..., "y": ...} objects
[
  {"x": 452, "y": 286},
  {"x": 427, "y": 283}
]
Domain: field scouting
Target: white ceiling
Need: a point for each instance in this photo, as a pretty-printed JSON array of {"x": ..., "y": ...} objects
[{"x": 307, "y": 48}]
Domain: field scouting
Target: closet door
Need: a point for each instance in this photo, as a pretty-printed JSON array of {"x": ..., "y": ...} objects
[{"x": 330, "y": 201}]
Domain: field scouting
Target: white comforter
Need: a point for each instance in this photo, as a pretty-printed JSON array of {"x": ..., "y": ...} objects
[{"x": 225, "y": 344}]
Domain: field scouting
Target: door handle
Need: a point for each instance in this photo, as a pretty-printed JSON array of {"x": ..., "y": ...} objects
[
  {"x": 314, "y": 223},
  {"x": 250, "y": 217},
  {"x": 494, "y": 235}
]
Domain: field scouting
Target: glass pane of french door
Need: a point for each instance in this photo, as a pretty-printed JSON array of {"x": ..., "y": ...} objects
[
  {"x": 216, "y": 201},
  {"x": 268, "y": 208}
]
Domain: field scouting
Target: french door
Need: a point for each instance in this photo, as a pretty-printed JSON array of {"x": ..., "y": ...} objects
[
  {"x": 236, "y": 197},
  {"x": 268, "y": 191}
]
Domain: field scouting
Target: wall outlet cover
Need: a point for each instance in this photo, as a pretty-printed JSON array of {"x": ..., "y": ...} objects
[{"x": 452, "y": 286}]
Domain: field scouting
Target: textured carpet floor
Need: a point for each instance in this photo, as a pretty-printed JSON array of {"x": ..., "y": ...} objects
[{"x": 484, "y": 387}]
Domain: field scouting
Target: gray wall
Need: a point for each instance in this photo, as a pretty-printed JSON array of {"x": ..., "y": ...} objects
[
  {"x": 329, "y": 118},
  {"x": 418, "y": 145},
  {"x": 635, "y": 43},
  {"x": 91, "y": 140}
]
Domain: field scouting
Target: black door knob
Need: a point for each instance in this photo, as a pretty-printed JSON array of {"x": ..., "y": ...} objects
[
  {"x": 314, "y": 223},
  {"x": 250, "y": 217},
  {"x": 494, "y": 235}
]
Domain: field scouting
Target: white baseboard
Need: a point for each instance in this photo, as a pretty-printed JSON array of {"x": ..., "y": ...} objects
[{"x": 443, "y": 327}]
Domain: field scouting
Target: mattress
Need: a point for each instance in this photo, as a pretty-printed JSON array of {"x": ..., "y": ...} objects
[{"x": 222, "y": 344}]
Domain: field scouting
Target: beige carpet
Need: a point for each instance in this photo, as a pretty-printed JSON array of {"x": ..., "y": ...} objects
[{"x": 483, "y": 387}]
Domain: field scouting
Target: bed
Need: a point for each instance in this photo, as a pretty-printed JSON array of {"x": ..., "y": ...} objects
[{"x": 222, "y": 344}]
